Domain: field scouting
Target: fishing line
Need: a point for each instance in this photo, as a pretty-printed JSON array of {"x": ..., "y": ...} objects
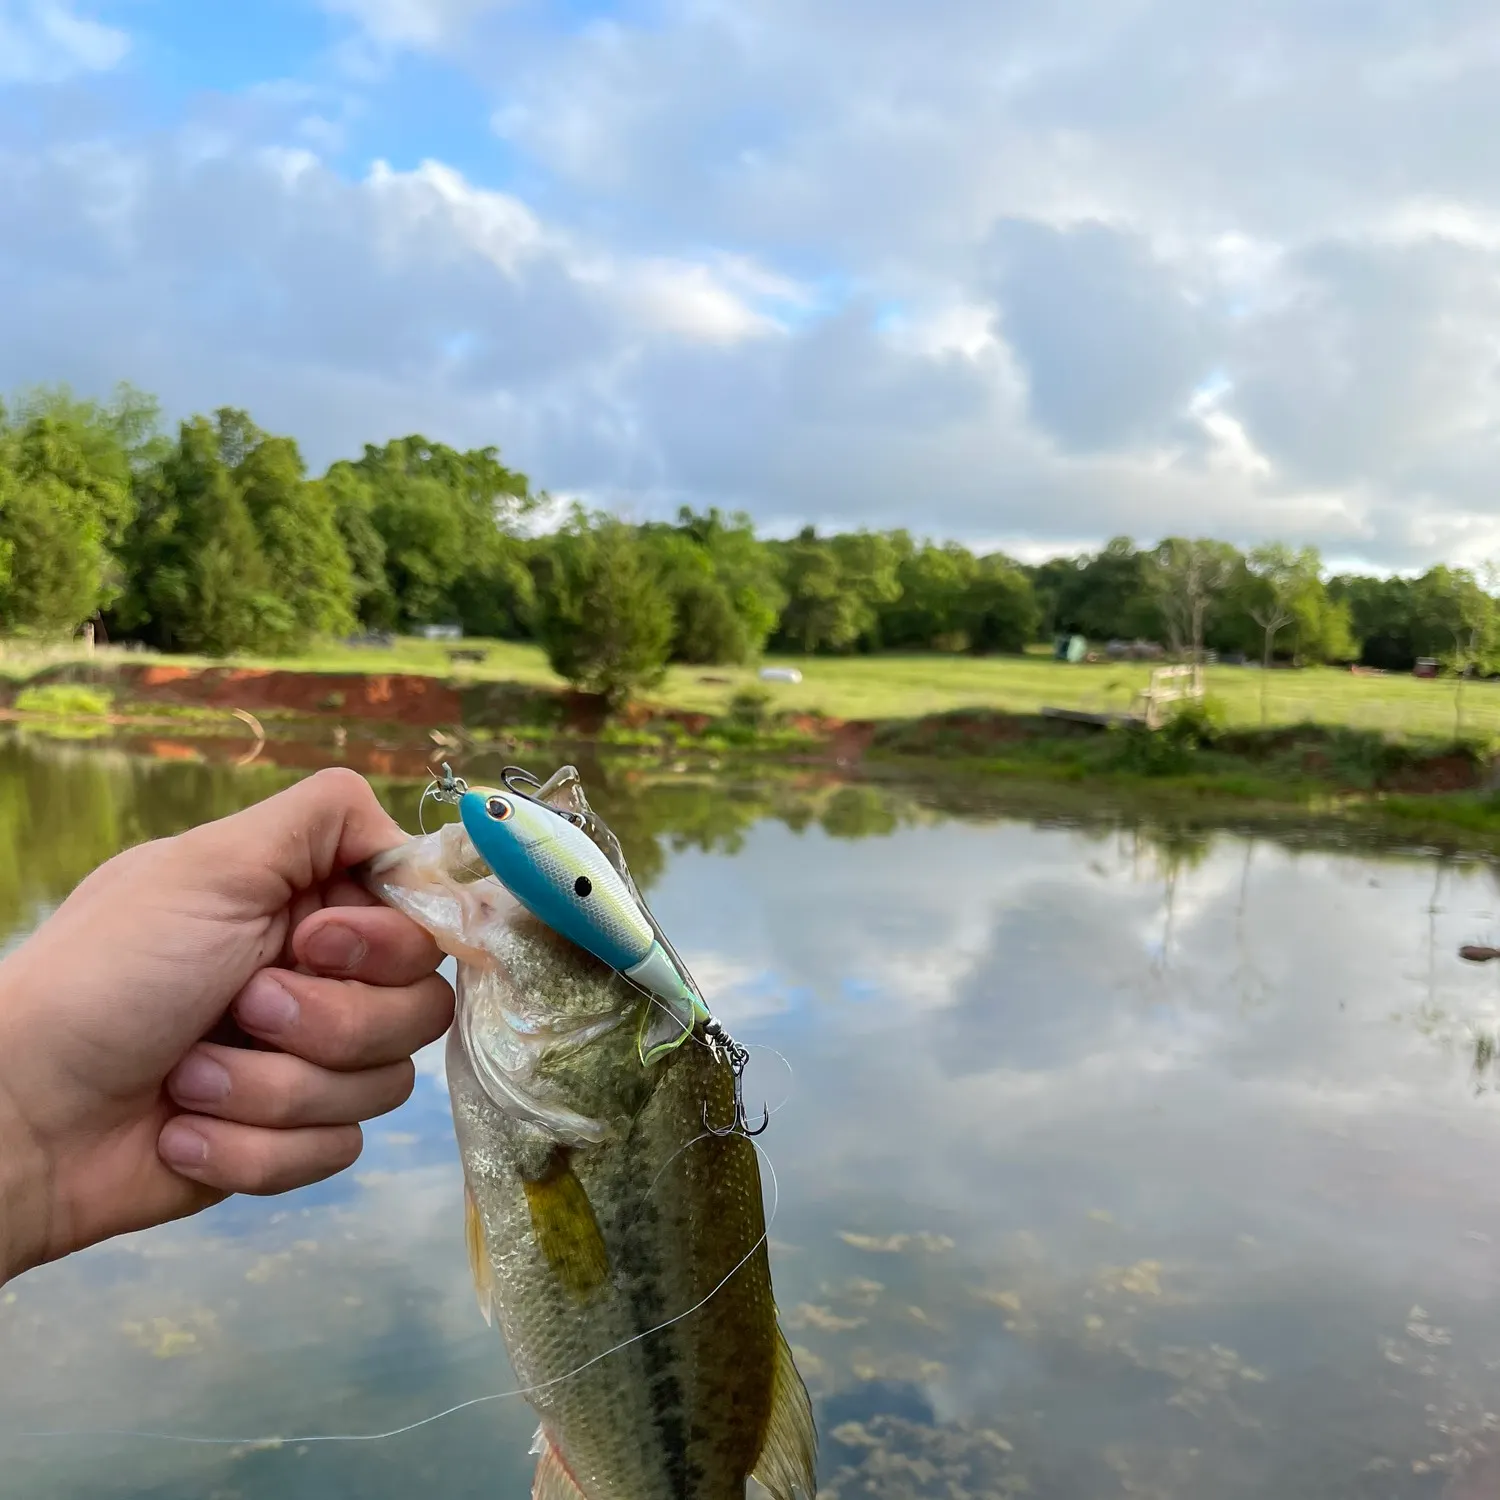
[{"x": 276, "y": 1441}]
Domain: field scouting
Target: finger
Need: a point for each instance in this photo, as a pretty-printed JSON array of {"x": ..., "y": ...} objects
[
  {"x": 374, "y": 943},
  {"x": 275, "y": 1088},
  {"x": 342, "y": 1023},
  {"x": 344, "y": 890},
  {"x": 297, "y": 839},
  {"x": 250, "y": 1159}
]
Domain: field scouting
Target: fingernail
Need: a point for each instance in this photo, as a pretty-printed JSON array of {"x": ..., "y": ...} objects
[
  {"x": 199, "y": 1080},
  {"x": 181, "y": 1146},
  {"x": 265, "y": 1006},
  {"x": 335, "y": 948}
]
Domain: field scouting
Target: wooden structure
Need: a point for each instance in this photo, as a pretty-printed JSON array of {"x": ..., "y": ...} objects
[{"x": 1168, "y": 685}]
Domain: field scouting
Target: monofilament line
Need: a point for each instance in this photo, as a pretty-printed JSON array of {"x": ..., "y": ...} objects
[{"x": 276, "y": 1440}]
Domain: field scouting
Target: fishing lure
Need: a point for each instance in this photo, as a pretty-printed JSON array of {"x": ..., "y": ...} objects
[{"x": 546, "y": 860}]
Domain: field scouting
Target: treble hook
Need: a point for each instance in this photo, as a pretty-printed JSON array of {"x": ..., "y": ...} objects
[{"x": 725, "y": 1049}]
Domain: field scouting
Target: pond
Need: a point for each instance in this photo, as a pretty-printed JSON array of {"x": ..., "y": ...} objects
[{"x": 1107, "y": 1162}]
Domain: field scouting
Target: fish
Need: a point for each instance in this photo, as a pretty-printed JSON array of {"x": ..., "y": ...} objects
[{"x": 618, "y": 1244}]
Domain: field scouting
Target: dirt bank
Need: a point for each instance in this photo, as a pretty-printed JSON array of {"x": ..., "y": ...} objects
[{"x": 394, "y": 697}]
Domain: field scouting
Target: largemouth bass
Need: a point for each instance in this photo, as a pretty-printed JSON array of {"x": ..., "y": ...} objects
[{"x": 618, "y": 1243}]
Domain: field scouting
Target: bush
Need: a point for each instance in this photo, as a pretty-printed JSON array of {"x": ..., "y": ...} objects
[
  {"x": 1171, "y": 750},
  {"x": 750, "y": 706},
  {"x": 64, "y": 699}
]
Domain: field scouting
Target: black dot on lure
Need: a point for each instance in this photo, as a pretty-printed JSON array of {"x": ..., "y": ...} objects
[{"x": 583, "y": 886}]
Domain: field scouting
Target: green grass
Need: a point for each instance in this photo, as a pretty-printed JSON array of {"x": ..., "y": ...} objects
[
  {"x": 909, "y": 686},
  {"x": 64, "y": 700}
]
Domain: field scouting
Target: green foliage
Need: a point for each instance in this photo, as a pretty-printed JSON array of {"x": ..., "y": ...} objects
[
  {"x": 751, "y": 706},
  {"x": 64, "y": 699},
  {"x": 602, "y": 614},
  {"x": 199, "y": 578},
  {"x": 835, "y": 587},
  {"x": 445, "y": 522},
  {"x": 1000, "y": 609},
  {"x": 299, "y": 537},
  {"x": 723, "y": 582},
  {"x": 1172, "y": 750},
  {"x": 65, "y": 500},
  {"x": 217, "y": 541}
]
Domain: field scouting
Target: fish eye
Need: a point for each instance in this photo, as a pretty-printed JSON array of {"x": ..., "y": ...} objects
[
  {"x": 498, "y": 808},
  {"x": 583, "y": 886}
]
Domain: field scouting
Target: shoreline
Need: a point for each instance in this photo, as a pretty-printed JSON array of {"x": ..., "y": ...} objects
[{"x": 1441, "y": 794}]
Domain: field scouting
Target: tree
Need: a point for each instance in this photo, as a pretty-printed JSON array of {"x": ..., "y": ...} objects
[
  {"x": 1378, "y": 614},
  {"x": 1111, "y": 597},
  {"x": 835, "y": 587},
  {"x": 601, "y": 613},
  {"x": 198, "y": 578},
  {"x": 298, "y": 532},
  {"x": 1450, "y": 602},
  {"x": 726, "y": 594},
  {"x": 933, "y": 607},
  {"x": 1188, "y": 577},
  {"x": 1280, "y": 578},
  {"x": 446, "y": 522},
  {"x": 348, "y": 494},
  {"x": 1001, "y": 612},
  {"x": 66, "y": 471}
]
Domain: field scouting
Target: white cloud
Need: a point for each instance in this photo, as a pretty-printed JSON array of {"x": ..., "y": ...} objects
[
  {"x": 46, "y": 41},
  {"x": 973, "y": 274},
  {"x": 427, "y": 25}
]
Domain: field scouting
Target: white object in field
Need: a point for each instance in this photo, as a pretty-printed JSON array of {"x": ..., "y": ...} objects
[{"x": 780, "y": 674}]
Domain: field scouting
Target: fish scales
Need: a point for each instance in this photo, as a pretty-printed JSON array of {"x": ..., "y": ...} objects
[{"x": 619, "y": 1246}]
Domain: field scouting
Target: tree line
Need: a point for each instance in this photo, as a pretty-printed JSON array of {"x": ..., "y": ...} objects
[{"x": 216, "y": 539}]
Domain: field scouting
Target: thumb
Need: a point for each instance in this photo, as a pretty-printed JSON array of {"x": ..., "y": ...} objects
[{"x": 295, "y": 840}]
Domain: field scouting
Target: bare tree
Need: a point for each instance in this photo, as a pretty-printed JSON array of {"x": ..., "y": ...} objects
[
  {"x": 1281, "y": 575},
  {"x": 1189, "y": 576}
]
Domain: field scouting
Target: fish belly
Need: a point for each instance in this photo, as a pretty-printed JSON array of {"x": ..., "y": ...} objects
[{"x": 632, "y": 1285}]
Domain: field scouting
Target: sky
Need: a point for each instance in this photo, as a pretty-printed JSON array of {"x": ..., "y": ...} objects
[{"x": 1024, "y": 274}]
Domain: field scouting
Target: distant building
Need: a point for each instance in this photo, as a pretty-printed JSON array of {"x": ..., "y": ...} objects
[
  {"x": 780, "y": 674},
  {"x": 441, "y": 632}
]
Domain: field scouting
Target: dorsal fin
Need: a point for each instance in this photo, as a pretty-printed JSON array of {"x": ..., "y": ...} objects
[
  {"x": 788, "y": 1461},
  {"x": 479, "y": 1255},
  {"x": 552, "y": 1482}
]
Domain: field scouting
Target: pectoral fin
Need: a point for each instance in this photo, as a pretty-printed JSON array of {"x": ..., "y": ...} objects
[
  {"x": 552, "y": 1482},
  {"x": 479, "y": 1255},
  {"x": 562, "y": 1218},
  {"x": 789, "y": 1447}
]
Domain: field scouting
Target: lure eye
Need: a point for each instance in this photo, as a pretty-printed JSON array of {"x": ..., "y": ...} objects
[
  {"x": 498, "y": 808},
  {"x": 583, "y": 886}
]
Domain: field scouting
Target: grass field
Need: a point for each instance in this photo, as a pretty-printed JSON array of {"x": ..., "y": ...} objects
[{"x": 887, "y": 687}]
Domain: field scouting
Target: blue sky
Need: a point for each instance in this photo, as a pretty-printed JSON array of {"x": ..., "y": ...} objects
[{"x": 1029, "y": 274}]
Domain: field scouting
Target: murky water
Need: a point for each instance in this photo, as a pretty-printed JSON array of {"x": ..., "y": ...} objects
[{"x": 1108, "y": 1167}]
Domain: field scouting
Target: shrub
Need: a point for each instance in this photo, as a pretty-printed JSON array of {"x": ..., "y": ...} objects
[{"x": 64, "y": 699}]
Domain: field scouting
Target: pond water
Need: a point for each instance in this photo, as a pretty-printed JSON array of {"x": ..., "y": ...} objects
[{"x": 1110, "y": 1163}]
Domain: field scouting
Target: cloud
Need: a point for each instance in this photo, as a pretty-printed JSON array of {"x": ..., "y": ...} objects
[
  {"x": 46, "y": 41},
  {"x": 424, "y": 25},
  {"x": 1030, "y": 274}
]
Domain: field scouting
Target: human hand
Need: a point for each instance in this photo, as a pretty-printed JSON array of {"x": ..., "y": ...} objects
[{"x": 117, "y": 1113}]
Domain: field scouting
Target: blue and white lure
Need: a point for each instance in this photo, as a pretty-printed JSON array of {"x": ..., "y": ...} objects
[{"x": 544, "y": 857}]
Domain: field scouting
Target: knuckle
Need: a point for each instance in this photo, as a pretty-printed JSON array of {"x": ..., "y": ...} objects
[{"x": 339, "y": 783}]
